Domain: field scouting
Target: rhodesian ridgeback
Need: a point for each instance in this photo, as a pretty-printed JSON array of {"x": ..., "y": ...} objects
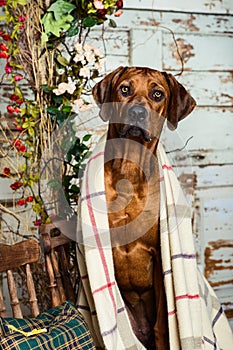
[{"x": 136, "y": 102}]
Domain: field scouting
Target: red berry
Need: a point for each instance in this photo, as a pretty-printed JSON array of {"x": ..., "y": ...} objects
[
  {"x": 119, "y": 4},
  {"x": 7, "y": 171}
]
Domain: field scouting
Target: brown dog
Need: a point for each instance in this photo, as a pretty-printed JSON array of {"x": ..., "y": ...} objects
[{"x": 136, "y": 101}]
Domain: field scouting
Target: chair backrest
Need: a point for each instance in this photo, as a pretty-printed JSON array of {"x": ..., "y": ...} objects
[
  {"x": 21, "y": 254},
  {"x": 55, "y": 243}
]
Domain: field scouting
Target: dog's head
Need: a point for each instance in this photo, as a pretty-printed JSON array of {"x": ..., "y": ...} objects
[{"x": 138, "y": 100}]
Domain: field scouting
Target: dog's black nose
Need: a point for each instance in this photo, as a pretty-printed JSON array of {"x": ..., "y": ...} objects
[{"x": 137, "y": 113}]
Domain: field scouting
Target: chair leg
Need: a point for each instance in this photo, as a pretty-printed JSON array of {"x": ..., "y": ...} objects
[
  {"x": 31, "y": 292},
  {"x": 3, "y": 312},
  {"x": 15, "y": 305}
]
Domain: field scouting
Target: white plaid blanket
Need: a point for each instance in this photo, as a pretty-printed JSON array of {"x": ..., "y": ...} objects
[{"x": 195, "y": 317}]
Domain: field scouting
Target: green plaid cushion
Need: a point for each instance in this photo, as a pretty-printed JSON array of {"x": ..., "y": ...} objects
[{"x": 65, "y": 329}]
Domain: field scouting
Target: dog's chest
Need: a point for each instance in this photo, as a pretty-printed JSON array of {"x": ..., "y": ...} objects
[{"x": 133, "y": 203}]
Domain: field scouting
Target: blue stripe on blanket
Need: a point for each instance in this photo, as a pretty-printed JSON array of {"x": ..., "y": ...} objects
[
  {"x": 184, "y": 256},
  {"x": 92, "y": 195}
]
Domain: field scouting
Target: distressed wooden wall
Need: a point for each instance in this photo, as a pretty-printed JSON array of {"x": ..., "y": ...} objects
[{"x": 149, "y": 34}]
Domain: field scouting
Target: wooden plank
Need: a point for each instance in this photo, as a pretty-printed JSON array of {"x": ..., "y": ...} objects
[
  {"x": 209, "y": 127},
  {"x": 202, "y": 157},
  {"x": 209, "y": 88},
  {"x": 146, "y": 48},
  {"x": 209, "y": 176},
  {"x": 224, "y": 293},
  {"x": 194, "y": 48},
  {"x": 211, "y": 6},
  {"x": 176, "y": 22},
  {"x": 18, "y": 254},
  {"x": 114, "y": 62},
  {"x": 213, "y": 226}
]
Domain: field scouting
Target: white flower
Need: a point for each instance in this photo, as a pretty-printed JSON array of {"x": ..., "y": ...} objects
[
  {"x": 88, "y": 47},
  {"x": 84, "y": 72},
  {"x": 79, "y": 102},
  {"x": 80, "y": 106},
  {"x": 85, "y": 107},
  {"x": 71, "y": 87},
  {"x": 90, "y": 57},
  {"x": 78, "y": 47},
  {"x": 79, "y": 57},
  {"x": 63, "y": 87},
  {"x": 76, "y": 105},
  {"x": 98, "y": 4},
  {"x": 61, "y": 71},
  {"x": 97, "y": 52},
  {"x": 98, "y": 65}
]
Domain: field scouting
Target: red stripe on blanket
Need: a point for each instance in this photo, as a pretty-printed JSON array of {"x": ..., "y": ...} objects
[
  {"x": 168, "y": 167},
  {"x": 96, "y": 156},
  {"x": 171, "y": 313},
  {"x": 104, "y": 287},
  {"x": 187, "y": 296},
  {"x": 97, "y": 238}
]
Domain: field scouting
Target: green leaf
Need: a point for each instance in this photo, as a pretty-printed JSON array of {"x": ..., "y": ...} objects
[
  {"x": 56, "y": 26},
  {"x": 46, "y": 88},
  {"x": 62, "y": 60},
  {"x": 74, "y": 30},
  {"x": 74, "y": 189},
  {"x": 112, "y": 23},
  {"x": 44, "y": 38},
  {"x": 31, "y": 131},
  {"x": 52, "y": 109},
  {"x": 61, "y": 7},
  {"x": 66, "y": 109},
  {"x": 87, "y": 137},
  {"x": 57, "y": 99},
  {"x": 89, "y": 22}
]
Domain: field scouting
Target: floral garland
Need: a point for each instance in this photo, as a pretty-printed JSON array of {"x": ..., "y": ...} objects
[{"x": 57, "y": 98}]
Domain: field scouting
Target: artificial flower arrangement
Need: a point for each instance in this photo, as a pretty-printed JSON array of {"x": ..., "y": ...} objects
[{"x": 39, "y": 58}]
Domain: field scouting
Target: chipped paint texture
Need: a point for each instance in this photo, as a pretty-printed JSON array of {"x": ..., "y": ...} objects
[{"x": 149, "y": 34}]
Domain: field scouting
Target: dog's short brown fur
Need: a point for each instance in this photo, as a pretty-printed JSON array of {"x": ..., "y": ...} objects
[{"x": 136, "y": 101}]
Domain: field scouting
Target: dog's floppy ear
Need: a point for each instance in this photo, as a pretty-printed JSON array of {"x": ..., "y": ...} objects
[
  {"x": 181, "y": 102},
  {"x": 102, "y": 92}
]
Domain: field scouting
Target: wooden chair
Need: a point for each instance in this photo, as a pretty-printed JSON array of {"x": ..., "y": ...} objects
[
  {"x": 62, "y": 282},
  {"x": 55, "y": 243},
  {"x": 14, "y": 256}
]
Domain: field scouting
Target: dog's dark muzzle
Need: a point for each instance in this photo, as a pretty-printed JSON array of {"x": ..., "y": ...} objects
[
  {"x": 137, "y": 115},
  {"x": 137, "y": 122}
]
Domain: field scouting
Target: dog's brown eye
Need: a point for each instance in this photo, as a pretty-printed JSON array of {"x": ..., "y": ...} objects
[
  {"x": 125, "y": 90},
  {"x": 157, "y": 95}
]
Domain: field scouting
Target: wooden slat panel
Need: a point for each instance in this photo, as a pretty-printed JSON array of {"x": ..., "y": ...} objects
[
  {"x": 199, "y": 52},
  {"x": 208, "y": 88},
  {"x": 209, "y": 128},
  {"x": 18, "y": 254},
  {"x": 213, "y": 213},
  {"x": 224, "y": 6},
  {"x": 202, "y": 158},
  {"x": 176, "y": 22},
  {"x": 209, "y": 176},
  {"x": 146, "y": 48}
]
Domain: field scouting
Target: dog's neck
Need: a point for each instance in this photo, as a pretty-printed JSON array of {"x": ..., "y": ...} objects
[{"x": 132, "y": 156}]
